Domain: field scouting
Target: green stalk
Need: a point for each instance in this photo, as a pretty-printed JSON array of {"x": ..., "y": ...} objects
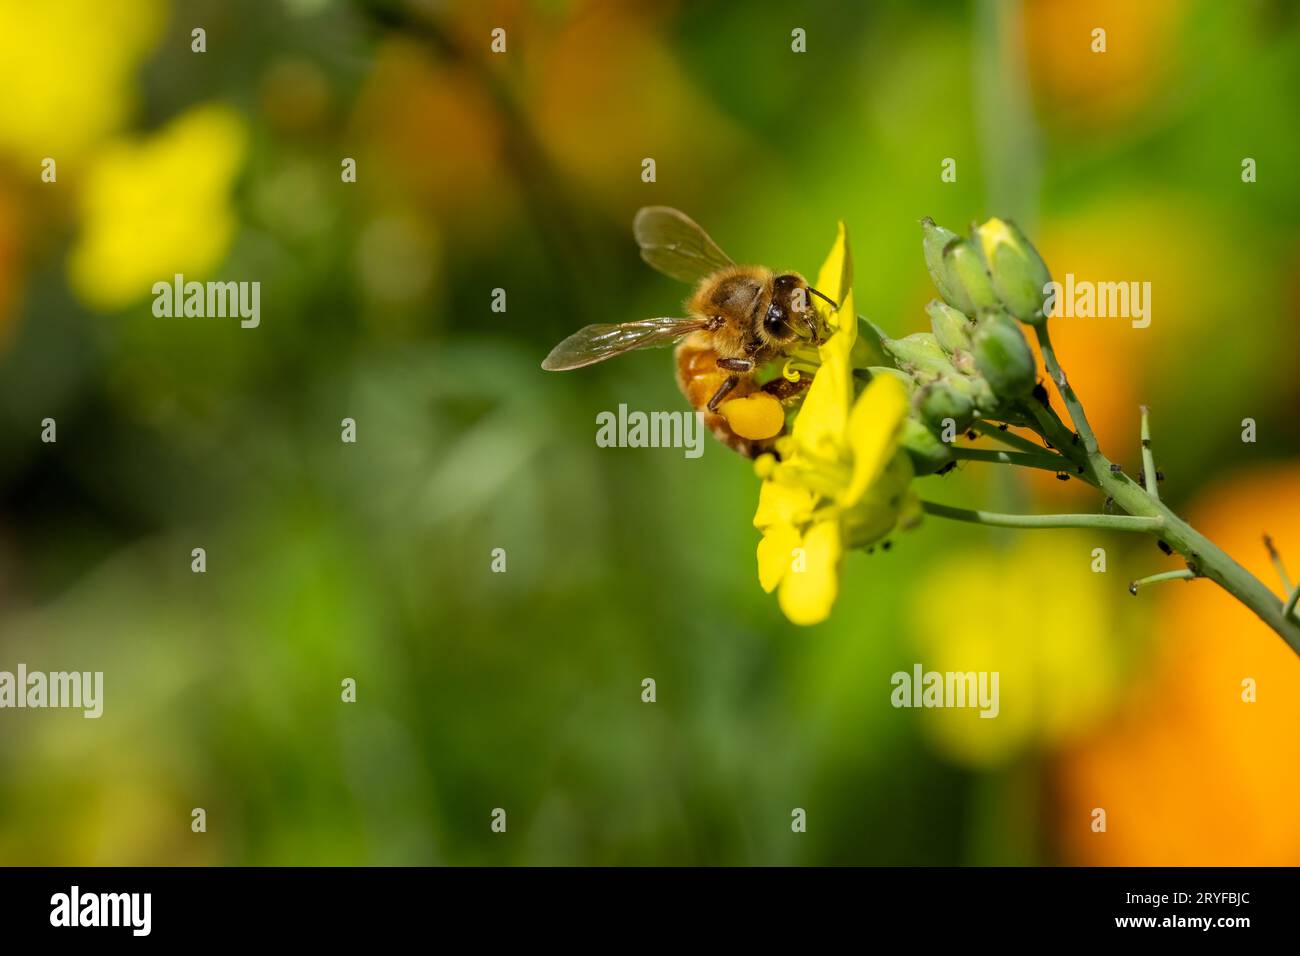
[
  {"x": 1148, "y": 459},
  {"x": 1043, "y": 460},
  {"x": 1145, "y": 511},
  {"x": 1184, "y": 575},
  {"x": 1066, "y": 389},
  {"x": 1008, "y": 438},
  {"x": 997, "y": 520},
  {"x": 1202, "y": 555},
  {"x": 1277, "y": 564},
  {"x": 1054, "y": 431}
]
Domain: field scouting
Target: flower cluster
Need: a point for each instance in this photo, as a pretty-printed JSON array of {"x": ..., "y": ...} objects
[
  {"x": 842, "y": 480},
  {"x": 843, "y": 477}
]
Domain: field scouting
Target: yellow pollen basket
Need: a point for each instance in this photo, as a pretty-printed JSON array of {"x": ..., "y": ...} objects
[{"x": 756, "y": 417}]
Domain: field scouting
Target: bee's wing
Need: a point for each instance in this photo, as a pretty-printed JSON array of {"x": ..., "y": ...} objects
[
  {"x": 595, "y": 343},
  {"x": 674, "y": 243}
]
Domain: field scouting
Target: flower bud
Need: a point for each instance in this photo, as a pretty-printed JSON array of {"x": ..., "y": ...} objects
[
  {"x": 1003, "y": 357},
  {"x": 935, "y": 240},
  {"x": 1018, "y": 272},
  {"x": 946, "y": 399},
  {"x": 920, "y": 354},
  {"x": 985, "y": 401},
  {"x": 970, "y": 276},
  {"x": 951, "y": 328},
  {"x": 928, "y": 454}
]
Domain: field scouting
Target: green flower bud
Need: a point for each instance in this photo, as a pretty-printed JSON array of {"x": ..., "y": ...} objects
[
  {"x": 920, "y": 354},
  {"x": 1018, "y": 272},
  {"x": 951, "y": 327},
  {"x": 945, "y": 401},
  {"x": 928, "y": 454},
  {"x": 970, "y": 276},
  {"x": 985, "y": 401},
  {"x": 1003, "y": 357},
  {"x": 936, "y": 238}
]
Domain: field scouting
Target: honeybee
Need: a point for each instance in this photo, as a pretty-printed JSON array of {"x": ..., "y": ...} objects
[{"x": 739, "y": 318}]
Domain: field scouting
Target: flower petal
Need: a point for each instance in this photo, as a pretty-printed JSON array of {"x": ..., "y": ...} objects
[
  {"x": 873, "y": 433},
  {"x": 780, "y": 504},
  {"x": 835, "y": 280},
  {"x": 824, "y": 415},
  {"x": 819, "y": 427},
  {"x": 775, "y": 552},
  {"x": 809, "y": 590}
]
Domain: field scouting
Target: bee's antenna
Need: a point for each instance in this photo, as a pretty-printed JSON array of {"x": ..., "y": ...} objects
[{"x": 834, "y": 305}]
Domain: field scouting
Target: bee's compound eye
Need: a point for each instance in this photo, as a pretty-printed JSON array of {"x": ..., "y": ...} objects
[{"x": 775, "y": 320}]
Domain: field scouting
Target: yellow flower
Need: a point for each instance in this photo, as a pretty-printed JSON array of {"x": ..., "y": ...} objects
[
  {"x": 67, "y": 70},
  {"x": 1053, "y": 644},
  {"x": 842, "y": 482},
  {"x": 159, "y": 206}
]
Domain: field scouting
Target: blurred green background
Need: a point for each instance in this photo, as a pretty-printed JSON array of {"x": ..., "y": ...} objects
[{"x": 522, "y": 690}]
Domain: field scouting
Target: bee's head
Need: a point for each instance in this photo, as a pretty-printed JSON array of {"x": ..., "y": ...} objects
[{"x": 790, "y": 313}]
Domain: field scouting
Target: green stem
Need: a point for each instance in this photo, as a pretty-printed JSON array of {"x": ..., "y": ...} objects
[
  {"x": 1148, "y": 459},
  {"x": 1072, "y": 403},
  {"x": 1277, "y": 563},
  {"x": 1054, "y": 431},
  {"x": 997, "y": 520},
  {"x": 1145, "y": 511},
  {"x": 1008, "y": 438},
  {"x": 1043, "y": 460},
  {"x": 1184, "y": 575},
  {"x": 1202, "y": 554}
]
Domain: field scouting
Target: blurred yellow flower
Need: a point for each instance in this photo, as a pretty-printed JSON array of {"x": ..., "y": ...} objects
[
  {"x": 1038, "y": 616},
  {"x": 67, "y": 69},
  {"x": 842, "y": 481},
  {"x": 158, "y": 206}
]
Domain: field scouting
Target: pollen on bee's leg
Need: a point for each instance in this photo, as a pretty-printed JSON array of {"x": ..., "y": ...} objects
[{"x": 756, "y": 416}]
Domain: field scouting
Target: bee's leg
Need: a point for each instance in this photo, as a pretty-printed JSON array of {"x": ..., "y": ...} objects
[
  {"x": 723, "y": 390},
  {"x": 782, "y": 388},
  {"x": 736, "y": 365}
]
